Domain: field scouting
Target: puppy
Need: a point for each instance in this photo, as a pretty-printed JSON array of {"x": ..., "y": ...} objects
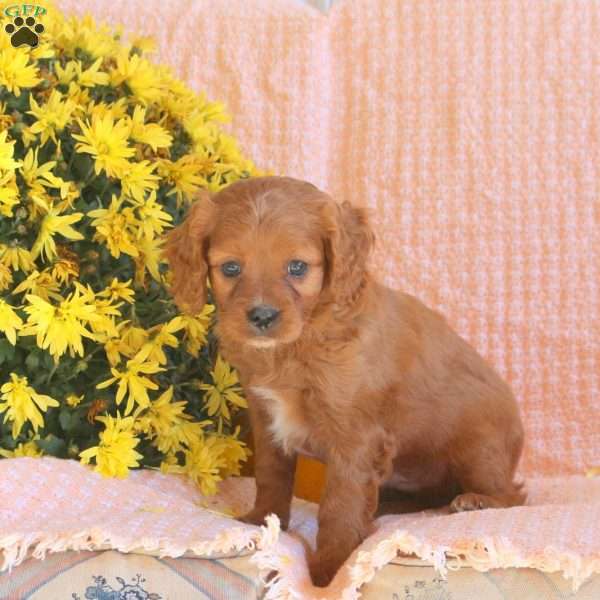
[{"x": 403, "y": 411}]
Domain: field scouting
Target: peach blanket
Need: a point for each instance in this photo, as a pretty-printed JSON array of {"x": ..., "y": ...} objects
[
  {"x": 472, "y": 129},
  {"x": 50, "y": 505}
]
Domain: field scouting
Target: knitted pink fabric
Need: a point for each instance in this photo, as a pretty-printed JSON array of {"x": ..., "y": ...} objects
[
  {"x": 50, "y": 505},
  {"x": 470, "y": 128}
]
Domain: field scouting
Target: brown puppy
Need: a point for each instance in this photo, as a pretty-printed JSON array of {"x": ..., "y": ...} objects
[{"x": 336, "y": 365}]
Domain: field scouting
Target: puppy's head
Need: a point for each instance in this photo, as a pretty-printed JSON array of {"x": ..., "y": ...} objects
[{"x": 276, "y": 251}]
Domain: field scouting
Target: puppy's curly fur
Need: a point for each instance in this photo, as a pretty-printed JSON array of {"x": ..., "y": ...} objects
[{"x": 403, "y": 411}]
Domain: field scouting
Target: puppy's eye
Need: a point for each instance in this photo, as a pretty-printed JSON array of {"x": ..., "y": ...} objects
[
  {"x": 231, "y": 268},
  {"x": 297, "y": 268}
]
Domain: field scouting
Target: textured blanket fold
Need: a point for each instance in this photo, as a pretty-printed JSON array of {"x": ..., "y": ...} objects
[{"x": 50, "y": 505}]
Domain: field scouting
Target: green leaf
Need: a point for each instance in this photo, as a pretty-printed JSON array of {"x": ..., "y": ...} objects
[
  {"x": 82, "y": 164},
  {"x": 32, "y": 362},
  {"x": 7, "y": 351},
  {"x": 53, "y": 446},
  {"x": 65, "y": 418},
  {"x": 47, "y": 361}
]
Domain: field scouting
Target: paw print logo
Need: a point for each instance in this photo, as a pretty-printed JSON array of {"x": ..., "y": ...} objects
[{"x": 24, "y": 31}]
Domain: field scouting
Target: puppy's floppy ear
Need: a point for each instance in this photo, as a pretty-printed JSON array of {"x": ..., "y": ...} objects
[
  {"x": 348, "y": 242},
  {"x": 185, "y": 249}
]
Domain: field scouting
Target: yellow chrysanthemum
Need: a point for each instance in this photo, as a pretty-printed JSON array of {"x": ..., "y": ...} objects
[
  {"x": 42, "y": 201},
  {"x": 118, "y": 290},
  {"x": 15, "y": 72},
  {"x": 144, "y": 44},
  {"x": 166, "y": 423},
  {"x": 148, "y": 133},
  {"x": 170, "y": 464},
  {"x": 39, "y": 177},
  {"x": 107, "y": 142},
  {"x": 224, "y": 389},
  {"x": 152, "y": 217},
  {"x": 236, "y": 453},
  {"x": 119, "y": 344},
  {"x": 116, "y": 453},
  {"x": 132, "y": 383},
  {"x": 134, "y": 337},
  {"x": 40, "y": 284},
  {"x": 9, "y": 193},
  {"x": 84, "y": 34},
  {"x": 228, "y": 150},
  {"x": 142, "y": 77},
  {"x": 117, "y": 110},
  {"x": 200, "y": 125},
  {"x": 80, "y": 96},
  {"x": 233, "y": 452},
  {"x": 153, "y": 349},
  {"x": 138, "y": 179},
  {"x": 92, "y": 76},
  {"x": 116, "y": 227},
  {"x": 150, "y": 257},
  {"x": 7, "y": 150},
  {"x": 63, "y": 327},
  {"x": 74, "y": 400},
  {"x": 179, "y": 100},
  {"x": 204, "y": 462},
  {"x": 10, "y": 322},
  {"x": 6, "y": 120},
  {"x": 104, "y": 133},
  {"x": 114, "y": 348},
  {"x": 52, "y": 224},
  {"x": 184, "y": 175},
  {"x": 225, "y": 453},
  {"x": 207, "y": 162},
  {"x": 195, "y": 121},
  {"x": 67, "y": 73},
  {"x": 22, "y": 403},
  {"x": 106, "y": 316},
  {"x": 6, "y": 277},
  {"x": 64, "y": 270},
  {"x": 33, "y": 173},
  {"x": 196, "y": 329},
  {"x": 16, "y": 257},
  {"x": 23, "y": 449},
  {"x": 52, "y": 116}
]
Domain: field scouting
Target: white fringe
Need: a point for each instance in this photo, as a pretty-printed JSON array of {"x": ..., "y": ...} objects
[
  {"x": 481, "y": 555},
  {"x": 15, "y": 548}
]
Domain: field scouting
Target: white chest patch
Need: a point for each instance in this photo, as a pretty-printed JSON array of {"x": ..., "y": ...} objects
[{"x": 289, "y": 432}]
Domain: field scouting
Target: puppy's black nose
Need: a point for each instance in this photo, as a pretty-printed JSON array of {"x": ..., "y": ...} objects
[{"x": 263, "y": 316}]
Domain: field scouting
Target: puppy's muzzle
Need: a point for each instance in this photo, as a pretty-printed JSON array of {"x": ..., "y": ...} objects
[{"x": 263, "y": 317}]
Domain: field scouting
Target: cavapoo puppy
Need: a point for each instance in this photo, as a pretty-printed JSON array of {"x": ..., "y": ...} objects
[{"x": 403, "y": 411}]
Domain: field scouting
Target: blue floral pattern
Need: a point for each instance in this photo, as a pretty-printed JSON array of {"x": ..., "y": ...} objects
[{"x": 128, "y": 591}]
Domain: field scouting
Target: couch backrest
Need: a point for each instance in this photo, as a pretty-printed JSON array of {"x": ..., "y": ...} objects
[{"x": 470, "y": 128}]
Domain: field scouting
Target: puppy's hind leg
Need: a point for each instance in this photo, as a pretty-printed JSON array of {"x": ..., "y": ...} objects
[{"x": 486, "y": 480}]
